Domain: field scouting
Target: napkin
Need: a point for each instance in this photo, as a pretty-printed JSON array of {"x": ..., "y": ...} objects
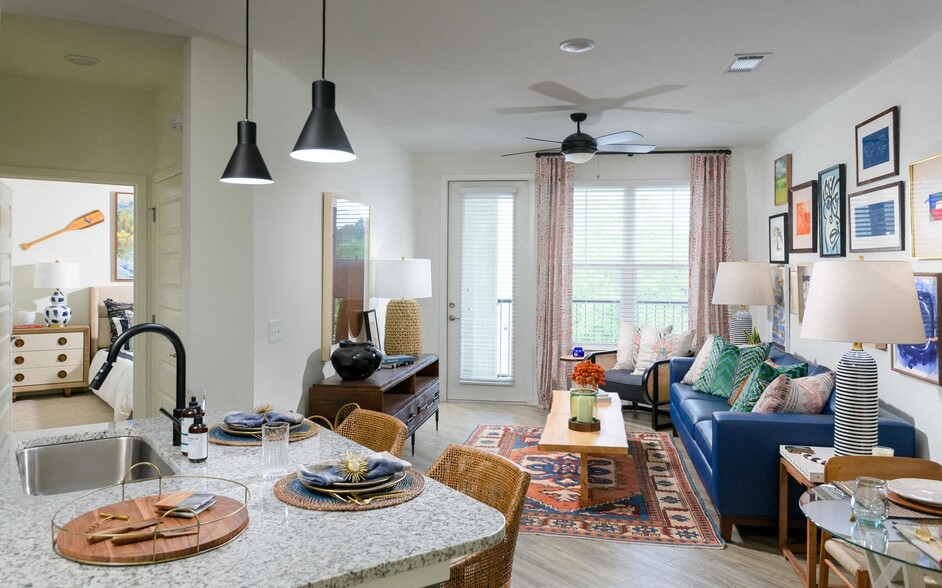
[
  {"x": 284, "y": 416},
  {"x": 326, "y": 472},
  {"x": 909, "y": 532},
  {"x": 244, "y": 419}
]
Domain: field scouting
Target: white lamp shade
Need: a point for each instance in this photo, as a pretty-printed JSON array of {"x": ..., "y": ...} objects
[
  {"x": 57, "y": 275},
  {"x": 743, "y": 282},
  {"x": 402, "y": 278},
  {"x": 863, "y": 302}
]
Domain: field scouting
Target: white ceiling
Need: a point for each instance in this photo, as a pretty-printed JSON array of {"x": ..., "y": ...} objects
[{"x": 433, "y": 73}]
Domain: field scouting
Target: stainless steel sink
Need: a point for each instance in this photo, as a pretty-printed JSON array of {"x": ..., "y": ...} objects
[{"x": 85, "y": 465}]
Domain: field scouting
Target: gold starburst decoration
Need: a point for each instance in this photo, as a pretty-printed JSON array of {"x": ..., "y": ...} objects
[
  {"x": 263, "y": 408},
  {"x": 353, "y": 467}
]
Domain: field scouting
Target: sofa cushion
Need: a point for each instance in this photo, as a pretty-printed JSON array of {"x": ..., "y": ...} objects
[
  {"x": 699, "y": 409},
  {"x": 703, "y": 436},
  {"x": 701, "y": 361},
  {"x": 760, "y": 378},
  {"x": 626, "y": 384},
  {"x": 717, "y": 362},
  {"x": 796, "y": 395},
  {"x": 627, "y": 349},
  {"x": 750, "y": 357}
]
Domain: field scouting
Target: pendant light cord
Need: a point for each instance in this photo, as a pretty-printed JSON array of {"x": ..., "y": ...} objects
[
  {"x": 246, "y": 59},
  {"x": 323, "y": 38}
]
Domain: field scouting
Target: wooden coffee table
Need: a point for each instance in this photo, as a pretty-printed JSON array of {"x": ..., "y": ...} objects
[{"x": 610, "y": 440}]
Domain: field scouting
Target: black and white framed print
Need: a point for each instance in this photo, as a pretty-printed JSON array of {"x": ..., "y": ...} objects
[
  {"x": 831, "y": 211},
  {"x": 878, "y": 147},
  {"x": 778, "y": 238},
  {"x": 876, "y": 219}
]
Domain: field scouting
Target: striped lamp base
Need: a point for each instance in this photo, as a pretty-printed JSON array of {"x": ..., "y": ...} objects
[
  {"x": 856, "y": 406},
  {"x": 739, "y": 325}
]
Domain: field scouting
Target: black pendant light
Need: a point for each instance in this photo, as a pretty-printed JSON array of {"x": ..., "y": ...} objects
[
  {"x": 322, "y": 138},
  {"x": 246, "y": 165}
]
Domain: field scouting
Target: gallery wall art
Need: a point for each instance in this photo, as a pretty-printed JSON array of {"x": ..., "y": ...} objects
[
  {"x": 778, "y": 238},
  {"x": 878, "y": 147},
  {"x": 804, "y": 286},
  {"x": 803, "y": 217},
  {"x": 123, "y": 231},
  {"x": 831, "y": 211},
  {"x": 783, "y": 178},
  {"x": 921, "y": 360},
  {"x": 875, "y": 219},
  {"x": 925, "y": 207},
  {"x": 779, "y": 310}
]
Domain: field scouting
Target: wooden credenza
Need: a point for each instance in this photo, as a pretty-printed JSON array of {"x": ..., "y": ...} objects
[
  {"x": 410, "y": 393},
  {"x": 50, "y": 358}
]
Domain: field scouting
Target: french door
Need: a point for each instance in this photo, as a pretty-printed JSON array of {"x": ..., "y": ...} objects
[{"x": 488, "y": 303}]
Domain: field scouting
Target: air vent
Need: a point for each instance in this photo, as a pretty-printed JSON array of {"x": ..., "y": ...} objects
[{"x": 745, "y": 62}]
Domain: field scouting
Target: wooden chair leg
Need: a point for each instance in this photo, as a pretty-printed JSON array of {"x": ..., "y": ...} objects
[
  {"x": 726, "y": 528},
  {"x": 823, "y": 571},
  {"x": 863, "y": 579}
]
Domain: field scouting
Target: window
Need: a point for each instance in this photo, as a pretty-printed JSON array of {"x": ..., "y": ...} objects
[{"x": 629, "y": 257}]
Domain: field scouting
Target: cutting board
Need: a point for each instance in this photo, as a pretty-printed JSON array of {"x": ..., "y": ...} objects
[{"x": 215, "y": 531}]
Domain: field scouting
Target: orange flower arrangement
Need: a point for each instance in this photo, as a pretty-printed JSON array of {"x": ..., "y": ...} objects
[{"x": 588, "y": 375}]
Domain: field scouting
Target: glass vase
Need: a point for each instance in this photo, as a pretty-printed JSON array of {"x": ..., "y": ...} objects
[{"x": 583, "y": 405}]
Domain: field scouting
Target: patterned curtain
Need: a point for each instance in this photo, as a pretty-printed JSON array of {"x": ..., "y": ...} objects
[
  {"x": 554, "y": 183},
  {"x": 709, "y": 241}
]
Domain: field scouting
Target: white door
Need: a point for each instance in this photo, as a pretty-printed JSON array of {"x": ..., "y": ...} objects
[
  {"x": 166, "y": 283},
  {"x": 488, "y": 301},
  {"x": 6, "y": 317}
]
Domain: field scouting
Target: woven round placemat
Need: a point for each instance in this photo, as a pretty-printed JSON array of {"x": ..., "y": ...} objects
[
  {"x": 216, "y": 435},
  {"x": 290, "y": 491}
]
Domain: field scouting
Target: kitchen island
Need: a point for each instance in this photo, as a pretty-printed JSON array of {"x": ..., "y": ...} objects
[{"x": 410, "y": 544}]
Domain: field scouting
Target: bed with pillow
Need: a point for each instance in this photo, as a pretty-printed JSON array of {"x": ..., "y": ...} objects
[{"x": 112, "y": 309}]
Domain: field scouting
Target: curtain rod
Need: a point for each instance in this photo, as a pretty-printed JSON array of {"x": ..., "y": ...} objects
[{"x": 664, "y": 152}]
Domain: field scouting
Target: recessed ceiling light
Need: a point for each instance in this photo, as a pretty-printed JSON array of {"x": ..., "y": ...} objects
[
  {"x": 745, "y": 62},
  {"x": 577, "y": 45},
  {"x": 82, "y": 60}
]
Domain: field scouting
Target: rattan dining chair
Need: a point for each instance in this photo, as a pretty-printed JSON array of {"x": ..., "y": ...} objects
[
  {"x": 498, "y": 483},
  {"x": 344, "y": 412},
  {"x": 836, "y": 554},
  {"x": 375, "y": 430}
]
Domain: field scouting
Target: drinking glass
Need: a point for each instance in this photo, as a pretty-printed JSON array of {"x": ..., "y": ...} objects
[
  {"x": 869, "y": 501},
  {"x": 275, "y": 437}
]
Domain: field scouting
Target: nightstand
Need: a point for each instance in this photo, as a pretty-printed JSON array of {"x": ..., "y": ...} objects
[{"x": 50, "y": 358}]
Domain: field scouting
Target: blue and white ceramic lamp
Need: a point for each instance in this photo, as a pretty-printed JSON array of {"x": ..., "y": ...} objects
[{"x": 59, "y": 276}]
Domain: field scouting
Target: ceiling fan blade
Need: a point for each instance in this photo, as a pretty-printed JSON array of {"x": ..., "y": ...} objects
[
  {"x": 620, "y": 137},
  {"x": 661, "y": 110},
  {"x": 626, "y": 149},
  {"x": 559, "y": 92},
  {"x": 656, "y": 90},
  {"x": 531, "y": 109},
  {"x": 544, "y": 140},
  {"x": 523, "y": 152}
]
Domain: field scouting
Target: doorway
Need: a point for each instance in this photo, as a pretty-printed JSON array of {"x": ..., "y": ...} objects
[{"x": 487, "y": 300}]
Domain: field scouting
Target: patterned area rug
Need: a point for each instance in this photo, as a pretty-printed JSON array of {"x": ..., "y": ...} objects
[{"x": 644, "y": 497}]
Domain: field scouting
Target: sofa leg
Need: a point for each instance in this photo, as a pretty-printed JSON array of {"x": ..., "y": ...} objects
[
  {"x": 726, "y": 528},
  {"x": 673, "y": 430}
]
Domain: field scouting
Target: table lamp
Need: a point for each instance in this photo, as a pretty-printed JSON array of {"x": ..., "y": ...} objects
[
  {"x": 403, "y": 280},
  {"x": 743, "y": 283},
  {"x": 57, "y": 275},
  {"x": 861, "y": 302}
]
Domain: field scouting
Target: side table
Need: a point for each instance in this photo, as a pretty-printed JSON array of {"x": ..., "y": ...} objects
[{"x": 809, "y": 474}]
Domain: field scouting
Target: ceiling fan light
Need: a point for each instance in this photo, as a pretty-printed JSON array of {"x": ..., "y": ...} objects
[
  {"x": 579, "y": 45},
  {"x": 323, "y": 139},
  {"x": 246, "y": 166},
  {"x": 579, "y": 156}
]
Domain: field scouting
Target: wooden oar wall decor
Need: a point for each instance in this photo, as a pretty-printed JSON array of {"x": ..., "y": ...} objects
[{"x": 89, "y": 219}]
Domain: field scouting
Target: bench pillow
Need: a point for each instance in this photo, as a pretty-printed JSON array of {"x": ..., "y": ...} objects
[
  {"x": 627, "y": 350},
  {"x": 701, "y": 361},
  {"x": 649, "y": 345}
]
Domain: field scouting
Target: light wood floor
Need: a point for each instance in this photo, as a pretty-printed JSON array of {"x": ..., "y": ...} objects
[{"x": 750, "y": 560}]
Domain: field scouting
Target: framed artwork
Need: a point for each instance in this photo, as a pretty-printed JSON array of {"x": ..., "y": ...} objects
[
  {"x": 783, "y": 178},
  {"x": 804, "y": 286},
  {"x": 372, "y": 328},
  {"x": 921, "y": 360},
  {"x": 122, "y": 213},
  {"x": 778, "y": 238},
  {"x": 925, "y": 207},
  {"x": 878, "y": 147},
  {"x": 876, "y": 219},
  {"x": 792, "y": 291},
  {"x": 803, "y": 217},
  {"x": 779, "y": 309},
  {"x": 831, "y": 211}
]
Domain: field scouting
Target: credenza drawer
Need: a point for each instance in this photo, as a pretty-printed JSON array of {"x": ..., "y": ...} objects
[
  {"x": 53, "y": 358},
  {"x": 47, "y": 341},
  {"x": 48, "y": 375}
]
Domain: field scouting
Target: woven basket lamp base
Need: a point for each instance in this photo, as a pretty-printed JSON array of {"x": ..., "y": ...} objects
[{"x": 403, "y": 328}]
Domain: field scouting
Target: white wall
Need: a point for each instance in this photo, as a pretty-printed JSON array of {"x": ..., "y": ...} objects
[
  {"x": 41, "y": 207},
  {"x": 826, "y": 138}
]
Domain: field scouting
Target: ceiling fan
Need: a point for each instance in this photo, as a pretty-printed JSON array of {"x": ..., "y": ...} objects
[
  {"x": 580, "y": 147},
  {"x": 578, "y": 101}
]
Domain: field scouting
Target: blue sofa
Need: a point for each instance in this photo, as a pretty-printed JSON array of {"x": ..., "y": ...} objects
[{"x": 737, "y": 454}]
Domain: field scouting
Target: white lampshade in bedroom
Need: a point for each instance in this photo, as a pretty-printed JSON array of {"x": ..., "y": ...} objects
[{"x": 57, "y": 275}]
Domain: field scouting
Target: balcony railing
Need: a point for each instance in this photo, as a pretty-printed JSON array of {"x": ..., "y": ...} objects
[{"x": 596, "y": 321}]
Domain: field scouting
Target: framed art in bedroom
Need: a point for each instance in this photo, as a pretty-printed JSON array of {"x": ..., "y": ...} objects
[{"x": 122, "y": 213}]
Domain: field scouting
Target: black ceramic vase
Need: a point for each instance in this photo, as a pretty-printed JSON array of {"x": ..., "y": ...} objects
[{"x": 355, "y": 361}]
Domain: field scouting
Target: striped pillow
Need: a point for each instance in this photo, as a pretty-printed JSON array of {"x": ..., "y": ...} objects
[
  {"x": 760, "y": 378},
  {"x": 796, "y": 396}
]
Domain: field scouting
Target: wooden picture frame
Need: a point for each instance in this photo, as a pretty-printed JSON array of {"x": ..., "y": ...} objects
[
  {"x": 831, "y": 197},
  {"x": 875, "y": 219},
  {"x": 877, "y": 147},
  {"x": 782, "y": 179},
  {"x": 778, "y": 238},
  {"x": 925, "y": 207},
  {"x": 803, "y": 218},
  {"x": 372, "y": 328},
  {"x": 345, "y": 270},
  {"x": 122, "y": 231},
  {"x": 921, "y": 361}
]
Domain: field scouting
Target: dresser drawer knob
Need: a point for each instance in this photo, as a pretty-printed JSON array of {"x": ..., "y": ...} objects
[
  {"x": 19, "y": 359},
  {"x": 19, "y": 377},
  {"x": 62, "y": 374},
  {"x": 62, "y": 357},
  {"x": 19, "y": 343},
  {"x": 62, "y": 341}
]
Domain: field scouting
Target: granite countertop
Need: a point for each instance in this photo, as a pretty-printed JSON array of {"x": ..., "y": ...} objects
[{"x": 283, "y": 545}]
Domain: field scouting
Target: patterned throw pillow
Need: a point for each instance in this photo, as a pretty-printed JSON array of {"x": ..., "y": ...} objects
[
  {"x": 700, "y": 363},
  {"x": 673, "y": 345},
  {"x": 120, "y": 325},
  {"x": 627, "y": 350},
  {"x": 119, "y": 310},
  {"x": 648, "y": 345},
  {"x": 760, "y": 378},
  {"x": 750, "y": 357},
  {"x": 796, "y": 396},
  {"x": 705, "y": 382}
]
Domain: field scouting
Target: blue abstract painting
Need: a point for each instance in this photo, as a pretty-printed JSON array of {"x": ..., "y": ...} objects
[
  {"x": 876, "y": 148},
  {"x": 921, "y": 360}
]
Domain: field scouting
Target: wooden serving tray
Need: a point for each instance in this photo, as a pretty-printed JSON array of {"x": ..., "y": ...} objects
[{"x": 220, "y": 523}]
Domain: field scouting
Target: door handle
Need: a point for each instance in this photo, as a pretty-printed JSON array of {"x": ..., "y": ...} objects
[{"x": 452, "y": 317}]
